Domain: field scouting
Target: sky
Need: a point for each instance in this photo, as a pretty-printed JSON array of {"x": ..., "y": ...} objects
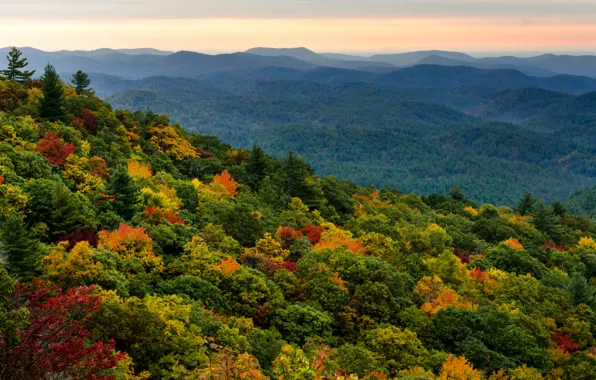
[{"x": 349, "y": 26}]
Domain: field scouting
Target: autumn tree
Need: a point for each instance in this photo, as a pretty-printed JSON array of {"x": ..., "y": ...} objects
[
  {"x": 81, "y": 82},
  {"x": 53, "y": 343},
  {"x": 54, "y": 149},
  {"x": 52, "y": 105},
  {"x": 16, "y": 64}
]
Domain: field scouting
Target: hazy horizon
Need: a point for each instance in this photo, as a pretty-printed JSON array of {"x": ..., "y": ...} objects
[
  {"x": 476, "y": 54},
  {"x": 349, "y": 26}
]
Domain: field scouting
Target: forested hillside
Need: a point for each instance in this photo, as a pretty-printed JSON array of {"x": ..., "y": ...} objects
[
  {"x": 133, "y": 250},
  {"x": 390, "y": 136}
]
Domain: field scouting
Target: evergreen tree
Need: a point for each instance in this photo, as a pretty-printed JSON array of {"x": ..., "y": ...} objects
[
  {"x": 126, "y": 192},
  {"x": 18, "y": 248},
  {"x": 558, "y": 208},
  {"x": 257, "y": 166},
  {"x": 15, "y": 71},
  {"x": 296, "y": 174},
  {"x": 51, "y": 106},
  {"x": 457, "y": 194},
  {"x": 547, "y": 222},
  {"x": 68, "y": 213},
  {"x": 298, "y": 181},
  {"x": 526, "y": 205},
  {"x": 581, "y": 291},
  {"x": 81, "y": 81}
]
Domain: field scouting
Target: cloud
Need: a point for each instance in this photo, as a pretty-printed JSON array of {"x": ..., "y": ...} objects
[{"x": 580, "y": 11}]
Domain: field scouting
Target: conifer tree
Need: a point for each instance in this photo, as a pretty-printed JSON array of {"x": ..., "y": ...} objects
[
  {"x": 81, "y": 82},
  {"x": 257, "y": 165},
  {"x": 526, "y": 205},
  {"x": 457, "y": 194},
  {"x": 18, "y": 247},
  {"x": 16, "y": 64},
  {"x": 68, "y": 213},
  {"x": 296, "y": 174},
  {"x": 126, "y": 192},
  {"x": 51, "y": 106},
  {"x": 547, "y": 222},
  {"x": 558, "y": 208}
]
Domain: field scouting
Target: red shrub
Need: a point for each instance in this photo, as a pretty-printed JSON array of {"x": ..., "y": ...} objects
[
  {"x": 289, "y": 266},
  {"x": 287, "y": 235},
  {"x": 1, "y": 179},
  {"x": 464, "y": 257},
  {"x": 54, "y": 149},
  {"x": 157, "y": 216},
  {"x": 90, "y": 120},
  {"x": 313, "y": 234},
  {"x": 80, "y": 235},
  {"x": 566, "y": 343}
]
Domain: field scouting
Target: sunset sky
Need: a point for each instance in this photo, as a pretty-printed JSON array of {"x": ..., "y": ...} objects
[{"x": 352, "y": 26}]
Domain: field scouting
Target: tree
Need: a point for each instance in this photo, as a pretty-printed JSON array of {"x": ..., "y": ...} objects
[
  {"x": 51, "y": 106},
  {"x": 54, "y": 342},
  {"x": 526, "y": 205},
  {"x": 69, "y": 213},
  {"x": 457, "y": 194},
  {"x": 54, "y": 149},
  {"x": 15, "y": 65},
  {"x": 17, "y": 247},
  {"x": 558, "y": 208},
  {"x": 126, "y": 192},
  {"x": 81, "y": 81},
  {"x": 547, "y": 222},
  {"x": 257, "y": 166}
]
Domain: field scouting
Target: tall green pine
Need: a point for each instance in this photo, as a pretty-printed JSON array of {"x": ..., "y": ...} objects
[
  {"x": 52, "y": 105},
  {"x": 16, "y": 64},
  {"x": 20, "y": 250},
  {"x": 547, "y": 222},
  {"x": 81, "y": 82},
  {"x": 126, "y": 192},
  {"x": 257, "y": 166},
  {"x": 68, "y": 213},
  {"x": 526, "y": 205}
]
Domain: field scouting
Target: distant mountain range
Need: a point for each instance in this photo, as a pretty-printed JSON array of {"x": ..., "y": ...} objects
[
  {"x": 421, "y": 121},
  {"x": 144, "y": 62}
]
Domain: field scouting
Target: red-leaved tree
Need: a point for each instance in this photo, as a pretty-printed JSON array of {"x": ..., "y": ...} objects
[
  {"x": 53, "y": 343},
  {"x": 54, "y": 149}
]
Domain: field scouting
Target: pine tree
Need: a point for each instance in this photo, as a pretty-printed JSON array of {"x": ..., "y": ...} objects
[
  {"x": 81, "y": 81},
  {"x": 526, "y": 205},
  {"x": 296, "y": 174},
  {"x": 15, "y": 65},
  {"x": 547, "y": 222},
  {"x": 18, "y": 247},
  {"x": 126, "y": 192},
  {"x": 581, "y": 291},
  {"x": 257, "y": 166},
  {"x": 558, "y": 208},
  {"x": 51, "y": 106},
  {"x": 457, "y": 194},
  {"x": 68, "y": 213}
]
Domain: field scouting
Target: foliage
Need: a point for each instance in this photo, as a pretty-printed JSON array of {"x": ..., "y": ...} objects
[{"x": 204, "y": 261}]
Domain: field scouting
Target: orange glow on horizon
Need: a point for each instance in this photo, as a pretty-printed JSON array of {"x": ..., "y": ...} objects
[{"x": 338, "y": 35}]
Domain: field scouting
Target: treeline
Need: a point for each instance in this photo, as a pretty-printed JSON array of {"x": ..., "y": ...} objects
[{"x": 132, "y": 250}]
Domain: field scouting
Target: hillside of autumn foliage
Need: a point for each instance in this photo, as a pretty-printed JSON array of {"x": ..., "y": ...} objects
[{"x": 132, "y": 250}]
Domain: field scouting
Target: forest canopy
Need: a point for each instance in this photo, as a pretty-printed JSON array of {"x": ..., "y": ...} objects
[{"x": 131, "y": 249}]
